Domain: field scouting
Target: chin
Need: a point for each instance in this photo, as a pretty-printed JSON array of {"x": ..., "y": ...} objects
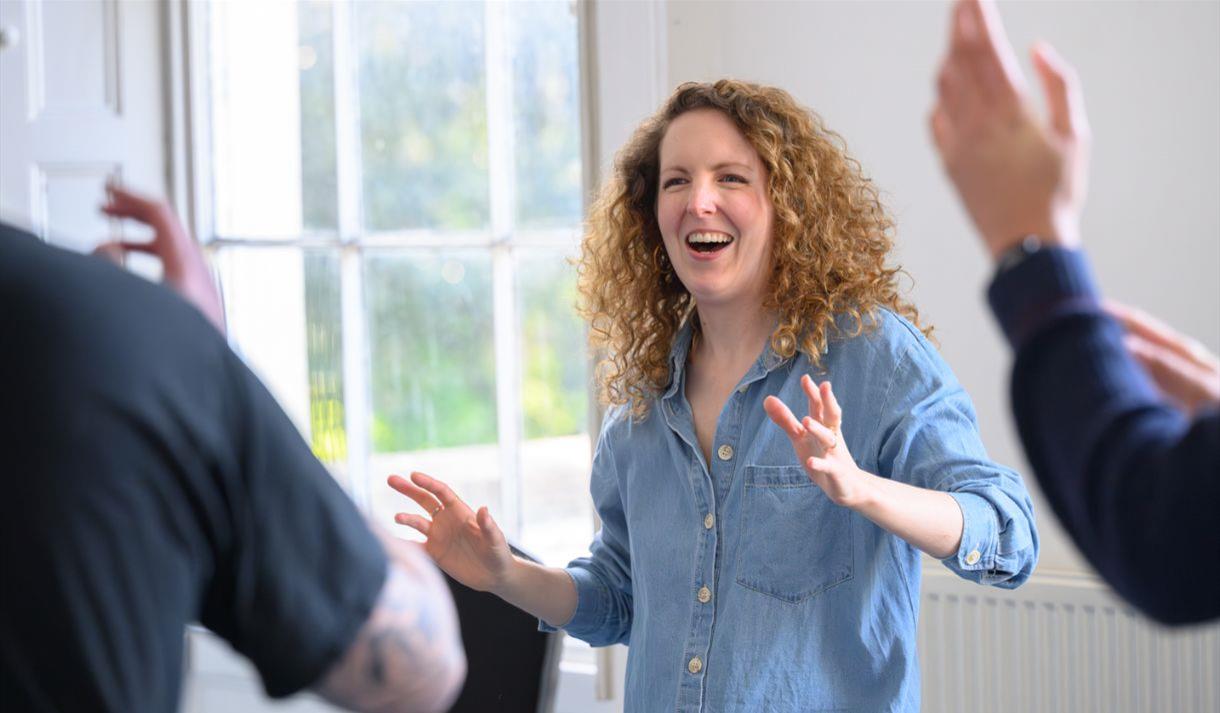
[{"x": 710, "y": 296}]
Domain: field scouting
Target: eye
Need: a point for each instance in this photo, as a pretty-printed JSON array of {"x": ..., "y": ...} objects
[
  {"x": 733, "y": 178},
  {"x": 675, "y": 181}
]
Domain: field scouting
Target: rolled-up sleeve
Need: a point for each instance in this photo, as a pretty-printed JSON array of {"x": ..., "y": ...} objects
[
  {"x": 603, "y": 579},
  {"x": 929, "y": 437}
]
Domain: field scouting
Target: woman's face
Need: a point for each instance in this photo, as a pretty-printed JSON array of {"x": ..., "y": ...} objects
[{"x": 713, "y": 209}]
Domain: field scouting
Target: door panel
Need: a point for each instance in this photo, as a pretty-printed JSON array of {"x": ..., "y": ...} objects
[{"x": 81, "y": 100}]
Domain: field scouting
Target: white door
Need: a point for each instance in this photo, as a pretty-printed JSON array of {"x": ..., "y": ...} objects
[{"x": 81, "y": 100}]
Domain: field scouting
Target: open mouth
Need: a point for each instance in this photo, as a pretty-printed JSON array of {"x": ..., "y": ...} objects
[{"x": 708, "y": 242}]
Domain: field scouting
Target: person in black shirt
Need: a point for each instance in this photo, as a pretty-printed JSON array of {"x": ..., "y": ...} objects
[{"x": 150, "y": 481}]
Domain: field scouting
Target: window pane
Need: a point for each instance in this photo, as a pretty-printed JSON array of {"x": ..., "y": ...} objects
[
  {"x": 546, "y": 107},
  {"x": 283, "y": 312},
  {"x": 423, "y": 114},
  {"x": 269, "y": 62},
  {"x": 555, "y": 455},
  {"x": 317, "y": 78},
  {"x": 432, "y": 384},
  {"x": 324, "y": 342}
]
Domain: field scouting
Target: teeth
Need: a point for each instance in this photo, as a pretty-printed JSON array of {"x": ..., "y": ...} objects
[{"x": 709, "y": 238}]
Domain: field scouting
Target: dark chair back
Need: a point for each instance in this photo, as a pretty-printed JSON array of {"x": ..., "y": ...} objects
[{"x": 511, "y": 666}]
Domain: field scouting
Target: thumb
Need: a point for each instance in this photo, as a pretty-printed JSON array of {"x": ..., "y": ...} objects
[
  {"x": 1064, "y": 100},
  {"x": 490, "y": 529}
]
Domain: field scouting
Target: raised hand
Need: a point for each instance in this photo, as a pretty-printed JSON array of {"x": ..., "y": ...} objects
[
  {"x": 1016, "y": 174},
  {"x": 184, "y": 268},
  {"x": 468, "y": 545},
  {"x": 1186, "y": 373},
  {"x": 818, "y": 442}
]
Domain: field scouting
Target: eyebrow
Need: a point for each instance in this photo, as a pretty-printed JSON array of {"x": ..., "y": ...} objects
[{"x": 720, "y": 166}]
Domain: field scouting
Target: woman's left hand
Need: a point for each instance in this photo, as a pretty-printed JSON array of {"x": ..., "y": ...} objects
[{"x": 819, "y": 444}]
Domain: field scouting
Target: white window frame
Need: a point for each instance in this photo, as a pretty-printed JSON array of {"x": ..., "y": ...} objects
[
  {"x": 618, "y": 89},
  {"x": 352, "y": 238}
]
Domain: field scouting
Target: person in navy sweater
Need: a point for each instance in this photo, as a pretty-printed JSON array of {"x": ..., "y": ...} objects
[{"x": 1119, "y": 415}]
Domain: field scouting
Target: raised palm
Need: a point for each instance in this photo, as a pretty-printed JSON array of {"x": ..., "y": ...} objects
[
  {"x": 817, "y": 440},
  {"x": 468, "y": 545}
]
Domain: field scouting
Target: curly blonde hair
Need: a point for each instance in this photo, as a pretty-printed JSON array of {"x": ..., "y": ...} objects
[{"x": 831, "y": 237}]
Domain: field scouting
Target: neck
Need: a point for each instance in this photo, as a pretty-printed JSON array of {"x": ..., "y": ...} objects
[{"x": 732, "y": 334}]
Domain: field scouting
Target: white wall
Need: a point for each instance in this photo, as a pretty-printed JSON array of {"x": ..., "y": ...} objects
[{"x": 1151, "y": 73}]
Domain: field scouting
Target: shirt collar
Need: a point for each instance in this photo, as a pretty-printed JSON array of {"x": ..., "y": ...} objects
[{"x": 767, "y": 361}]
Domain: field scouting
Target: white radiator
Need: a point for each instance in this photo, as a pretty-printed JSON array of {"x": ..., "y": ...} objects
[{"x": 1059, "y": 643}]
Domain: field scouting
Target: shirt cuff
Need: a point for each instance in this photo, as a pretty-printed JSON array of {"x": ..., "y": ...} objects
[
  {"x": 980, "y": 535},
  {"x": 1050, "y": 284},
  {"x": 591, "y": 604}
]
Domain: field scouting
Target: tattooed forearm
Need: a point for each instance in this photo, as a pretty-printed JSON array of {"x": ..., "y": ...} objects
[{"x": 408, "y": 656}]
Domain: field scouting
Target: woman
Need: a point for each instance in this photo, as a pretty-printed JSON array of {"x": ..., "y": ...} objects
[{"x": 736, "y": 250}]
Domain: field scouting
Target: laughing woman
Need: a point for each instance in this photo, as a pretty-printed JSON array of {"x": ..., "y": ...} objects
[{"x": 753, "y": 560}]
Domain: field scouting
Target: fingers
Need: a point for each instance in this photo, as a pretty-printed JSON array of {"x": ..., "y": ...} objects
[
  {"x": 979, "y": 41},
  {"x": 781, "y": 416},
  {"x": 819, "y": 466},
  {"x": 158, "y": 215},
  {"x": 443, "y": 492},
  {"x": 415, "y": 522},
  {"x": 824, "y": 410},
  {"x": 122, "y": 203},
  {"x": 423, "y": 498},
  {"x": 833, "y": 413},
  {"x": 1178, "y": 378},
  {"x": 825, "y": 437},
  {"x": 1151, "y": 329},
  {"x": 112, "y": 251},
  {"x": 942, "y": 131},
  {"x": 120, "y": 248},
  {"x": 1064, "y": 99},
  {"x": 964, "y": 27},
  {"x": 816, "y": 408}
]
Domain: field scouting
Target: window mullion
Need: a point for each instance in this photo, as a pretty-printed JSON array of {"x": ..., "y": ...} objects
[
  {"x": 500, "y": 162},
  {"x": 349, "y": 182}
]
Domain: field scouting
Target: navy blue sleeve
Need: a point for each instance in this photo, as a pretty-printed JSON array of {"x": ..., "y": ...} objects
[{"x": 1135, "y": 483}]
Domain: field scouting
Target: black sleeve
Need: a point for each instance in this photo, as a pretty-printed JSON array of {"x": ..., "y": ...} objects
[
  {"x": 151, "y": 481},
  {"x": 301, "y": 571},
  {"x": 1135, "y": 483}
]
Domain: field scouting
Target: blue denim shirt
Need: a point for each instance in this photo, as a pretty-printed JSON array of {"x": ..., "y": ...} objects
[{"x": 738, "y": 585}]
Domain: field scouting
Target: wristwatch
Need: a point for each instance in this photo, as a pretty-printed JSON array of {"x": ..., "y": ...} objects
[{"x": 1019, "y": 253}]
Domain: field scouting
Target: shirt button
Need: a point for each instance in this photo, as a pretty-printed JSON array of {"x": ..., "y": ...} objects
[
  {"x": 708, "y": 521},
  {"x": 695, "y": 665},
  {"x": 725, "y": 452},
  {"x": 973, "y": 557},
  {"x": 742, "y": 389},
  {"x": 705, "y": 595}
]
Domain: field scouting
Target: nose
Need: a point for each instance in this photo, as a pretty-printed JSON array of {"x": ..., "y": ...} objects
[{"x": 702, "y": 200}]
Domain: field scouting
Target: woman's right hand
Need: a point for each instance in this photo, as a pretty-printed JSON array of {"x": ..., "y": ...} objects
[{"x": 468, "y": 546}]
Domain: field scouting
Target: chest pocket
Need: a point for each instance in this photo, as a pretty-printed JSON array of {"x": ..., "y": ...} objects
[{"x": 795, "y": 543}]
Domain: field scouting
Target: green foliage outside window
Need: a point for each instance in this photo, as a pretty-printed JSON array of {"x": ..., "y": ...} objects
[{"x": 423, "y": 129}]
